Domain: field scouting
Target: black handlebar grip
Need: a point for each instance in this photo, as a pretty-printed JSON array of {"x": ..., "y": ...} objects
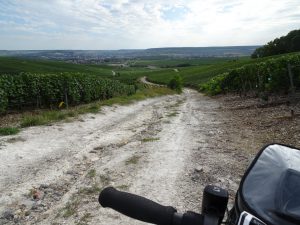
[{"x": 136, "y": 207}]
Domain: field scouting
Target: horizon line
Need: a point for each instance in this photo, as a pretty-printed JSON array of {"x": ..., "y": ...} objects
[{"x": 221, "y": 46}]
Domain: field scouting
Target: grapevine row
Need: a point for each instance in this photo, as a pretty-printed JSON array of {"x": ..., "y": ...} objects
[
  {"x": 48, "y": 90},
  {"x": 271, "y": 76}
]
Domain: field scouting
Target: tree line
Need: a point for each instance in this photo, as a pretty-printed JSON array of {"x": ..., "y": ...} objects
[{"x": 282, "y": 45}]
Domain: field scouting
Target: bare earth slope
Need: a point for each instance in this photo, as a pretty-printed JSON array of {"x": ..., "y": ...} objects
[{"x": 166, "y": 149}]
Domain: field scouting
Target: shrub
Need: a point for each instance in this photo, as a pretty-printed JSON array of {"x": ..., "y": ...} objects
[
  {"x": 8, "y": 131},
  {"x": 176, "y": 83}
]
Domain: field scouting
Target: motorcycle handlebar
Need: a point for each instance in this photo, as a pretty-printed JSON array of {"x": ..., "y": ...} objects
[{"x": 137, "y": 207}]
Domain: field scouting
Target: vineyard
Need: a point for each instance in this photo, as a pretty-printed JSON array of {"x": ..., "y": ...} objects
[
  {"x": 27, "y": 90},
  {"x": 199, "y": 74},
  {"x": 277, "y": 75}
]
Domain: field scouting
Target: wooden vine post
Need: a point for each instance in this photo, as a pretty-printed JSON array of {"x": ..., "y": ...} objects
[
  {"x": 292, "y": 98},
  {"x": 66, "y": 98},
  {"x": 292, "y": 89}
]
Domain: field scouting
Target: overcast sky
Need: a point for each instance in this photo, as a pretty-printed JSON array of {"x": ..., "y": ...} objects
[{"x": 135, "y": 24}]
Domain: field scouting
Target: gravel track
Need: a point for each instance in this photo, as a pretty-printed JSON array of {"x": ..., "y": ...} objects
[{"x": 166, "y": 149}]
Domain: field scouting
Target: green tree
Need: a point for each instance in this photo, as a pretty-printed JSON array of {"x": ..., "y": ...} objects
[
  {"x": 176, "y": 83},
  {"x": 296, "y": 43},
  {"x": 285, "y": 44}
]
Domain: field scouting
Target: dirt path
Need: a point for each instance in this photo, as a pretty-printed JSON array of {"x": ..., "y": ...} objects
[
  {"x": 166, "y": 149},
  {"x": 145, "y": 81}
]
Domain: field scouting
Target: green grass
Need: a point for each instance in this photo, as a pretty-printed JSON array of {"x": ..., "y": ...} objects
[
  {"x": 71, "y": 208},
  {"x": 94, "y": 108},
  {"x": 47, "y": 117},
  {"x": 44, "y": 118},
  {"x": 172, "y": 114},
  {"x": 105, "y": 180},
  {"x": 5, "y": 131},
  {"x": 150, "y": 139},
  {"x": 92, "y": 173},
  {"x": 123, "y": 187},
  {"x": 133, "y": 160},
  {"x": 84, "y": 219},
  {"x": 95, "y": 189}
]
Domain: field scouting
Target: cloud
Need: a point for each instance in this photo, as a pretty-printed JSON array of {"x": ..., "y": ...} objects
[{"x": 114, "y": 24}]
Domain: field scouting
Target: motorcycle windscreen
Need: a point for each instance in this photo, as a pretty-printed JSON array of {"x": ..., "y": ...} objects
[{"x": 272, "y": 186}]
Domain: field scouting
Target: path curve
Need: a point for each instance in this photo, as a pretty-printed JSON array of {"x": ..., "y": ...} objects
[{"x": 145, "y": 81}]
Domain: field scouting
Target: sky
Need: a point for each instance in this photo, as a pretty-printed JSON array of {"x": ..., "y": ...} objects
[{"x": 140, "y": 24}]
